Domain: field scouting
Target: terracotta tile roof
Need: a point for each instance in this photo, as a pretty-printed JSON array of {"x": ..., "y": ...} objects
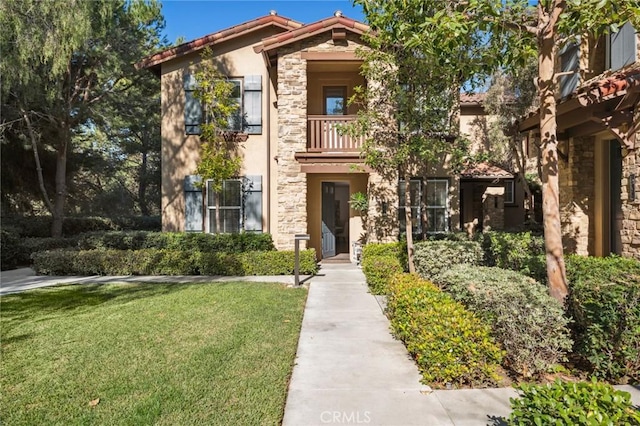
[
  {"x": 310, "y": 30},
  {"x": 605, "y": 86},
  {"x": 612, "y": 82},
  {"x": 472, "y": 98},
  {"x": 153, "y": 61},
  {"x": 485, "y": 170}
]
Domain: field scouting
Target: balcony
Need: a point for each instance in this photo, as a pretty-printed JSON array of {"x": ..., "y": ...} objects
[{"x": 323, "y": 135}]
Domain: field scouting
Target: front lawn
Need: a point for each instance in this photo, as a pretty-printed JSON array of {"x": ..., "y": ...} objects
[{"x": 148, "y": 353}]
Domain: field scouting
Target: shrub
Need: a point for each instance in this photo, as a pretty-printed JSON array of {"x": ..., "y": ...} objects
[
  {"x": 604, "y": 302},
  {"x": 28, "y": 246},
  {"x": 379, "y": 270},
  {"x": 522, "y": 251},
  {"x": 431, "y": 257},
  {"x": 382, "y": 249},
  {"x": 572, "y": 403},
  {"x": 227, "y": 243},
  {"x": 529, "y": 323},
  {"x": 449, "y": 344},
  {"x": 40, "y": 226},
  {"x": 9, "y": 249},
  {"x": 170, "y": 262}
]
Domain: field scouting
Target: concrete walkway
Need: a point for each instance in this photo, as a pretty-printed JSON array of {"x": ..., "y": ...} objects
[{"x": 350, "y": 370}]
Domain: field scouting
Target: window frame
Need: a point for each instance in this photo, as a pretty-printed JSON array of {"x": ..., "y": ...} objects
[
  {"x": 510, "y": 183},
  {"x": 417, "y": 217},
  {"x": 210, "y": 208},
  {"x": 325, "y": 95},
  {"x": 444, "y": 207}
]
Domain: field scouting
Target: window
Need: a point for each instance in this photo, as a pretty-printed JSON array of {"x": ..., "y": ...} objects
[
  {"x": 235, "y": 98},
  {"x": 435, "y": 195},
  {"x": 235, "y": 121},
  {"x": 415, "y": 194},
  {"x": 230, "y": 204},
  {"x": 509, "y": 192},
  {"x": 437, "y": 192},
  {"x": 335, "y": 100}
]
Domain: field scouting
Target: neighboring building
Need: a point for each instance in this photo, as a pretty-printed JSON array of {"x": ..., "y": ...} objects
[
  {"x": 598, "y": 133},
  {"x": 293, "y": 82}
]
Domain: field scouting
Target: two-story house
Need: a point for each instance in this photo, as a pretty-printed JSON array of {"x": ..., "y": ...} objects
[
  {"x": 599, "y": 148},
  {"x": 292, "y": 83}
]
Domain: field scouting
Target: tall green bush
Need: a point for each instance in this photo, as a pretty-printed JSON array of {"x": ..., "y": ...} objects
[
  {"x": 449, "y": 343},
  {"x": 529, "y": 323},
  {"x": 519, "y": 251},
  {"x": 604, "y": 302},
  {"x": 431, "y": 257}
]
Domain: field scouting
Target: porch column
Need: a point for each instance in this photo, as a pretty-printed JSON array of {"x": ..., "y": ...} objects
[{"x": 292, "y": 138}]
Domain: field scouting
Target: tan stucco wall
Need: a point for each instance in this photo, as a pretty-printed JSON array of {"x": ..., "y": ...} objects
[{"x": 180, "y": 152}]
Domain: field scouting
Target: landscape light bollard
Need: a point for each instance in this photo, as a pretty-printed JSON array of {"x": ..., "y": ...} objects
[{"x": 296, "y": 266}]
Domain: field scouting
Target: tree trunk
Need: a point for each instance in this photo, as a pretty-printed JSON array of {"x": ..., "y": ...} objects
[
  {"x": 218, "y": 194},
  {"x": 36, "y": 157},
  {"x": 61, "y": 188},
  {"x": 142, "y": 186},
  {"x": 556, "y": 273},
  {"x": 408, "y": 224}
]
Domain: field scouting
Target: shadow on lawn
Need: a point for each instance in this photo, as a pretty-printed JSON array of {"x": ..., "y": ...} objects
[{"x": 71, "y": 299}]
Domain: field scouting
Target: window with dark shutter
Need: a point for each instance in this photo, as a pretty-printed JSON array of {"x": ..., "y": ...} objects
[{"x": 192, "y": 107}]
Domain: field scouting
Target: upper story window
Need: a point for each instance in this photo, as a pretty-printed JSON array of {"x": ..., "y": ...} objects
[
  {"x": 335, "y": 100},
  {"x": 246, "y": 93}
]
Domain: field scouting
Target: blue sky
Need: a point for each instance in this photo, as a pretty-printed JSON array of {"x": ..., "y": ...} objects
[{"x": 192, "y": 19}]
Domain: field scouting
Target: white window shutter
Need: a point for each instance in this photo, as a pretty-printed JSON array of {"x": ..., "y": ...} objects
[{"x": 252, "y": 107}]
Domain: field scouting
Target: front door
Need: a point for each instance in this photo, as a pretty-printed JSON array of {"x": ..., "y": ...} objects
[{"x": 328, "y": 219}]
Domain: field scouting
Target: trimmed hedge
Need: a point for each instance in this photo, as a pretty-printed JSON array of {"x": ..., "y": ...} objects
[
  {"x": 523, "y": 252},
  {"x": 10, "y": 253},
  {"x": 379, "y": 270},
  {"x": 194, "y": 241},
  {"x": 568, "y": 403},
  {"x": 170, "y": 262},
  {"x": 529, "y": 323},
  {"x": 431, "y": 257},
  {"x": 380, "y": 262},
  {"x": 40, "y": 226},
  {"x": 604, "y": 302},
  {"x": 449, "y": 343}
]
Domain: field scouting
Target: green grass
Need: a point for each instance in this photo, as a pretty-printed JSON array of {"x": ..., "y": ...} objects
[{"x": 168, "y": 354}]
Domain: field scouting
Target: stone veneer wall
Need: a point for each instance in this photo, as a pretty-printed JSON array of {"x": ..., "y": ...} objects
[
  {"x": 292, "y": 132},
  {"x": 630, "y": 226},
  {"x": 292, "y": 138},
  {"x": 493, "y": 208},
  {"x": 577, "y": 192}
]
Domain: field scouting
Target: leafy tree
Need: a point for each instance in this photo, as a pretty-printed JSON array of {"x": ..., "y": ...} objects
[
  {"x": 60, "y": 61},
  {"x": 514, "y": 31},
  {"x": 409, "y": 106},
  {"x": 219, "y": 157}
]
